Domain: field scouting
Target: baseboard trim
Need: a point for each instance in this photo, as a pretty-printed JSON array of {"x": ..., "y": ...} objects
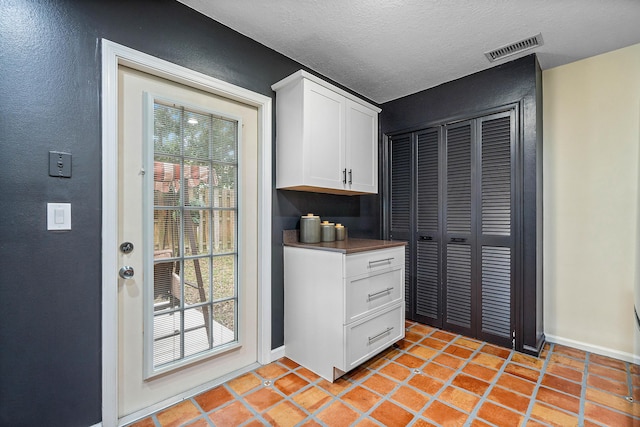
[
  {"x": 535, "y": 351},
  {"x": 592, "y": 348},
  {"x": 138, "y": 415},
  {"x": 277, "y": 353}
]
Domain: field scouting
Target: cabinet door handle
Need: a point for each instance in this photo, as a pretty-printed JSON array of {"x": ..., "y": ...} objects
[
  {"x": 350, "y": 176},
  {"x": 426, "y": 238},
  {"x": 378, "y": 261},
  {"x": 375, "y": 294},
  {"x": 344, "y": 176},
  {"x": 377, "y": 336},
  {"x": 458, "y": 239}
]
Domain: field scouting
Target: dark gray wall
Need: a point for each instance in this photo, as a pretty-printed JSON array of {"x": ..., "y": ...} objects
[
  {"x": 50, "y": 286},
  {"x": 465, "y": 97}
]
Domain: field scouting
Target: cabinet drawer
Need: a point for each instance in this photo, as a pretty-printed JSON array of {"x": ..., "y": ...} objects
[
  {"x": 373, "y": 261},
  {"x": 369, "y": 292},
  {"x": 367, "y": 338}
]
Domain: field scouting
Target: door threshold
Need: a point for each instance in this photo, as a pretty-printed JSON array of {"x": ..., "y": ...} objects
[{"x": 149, "y": 410}]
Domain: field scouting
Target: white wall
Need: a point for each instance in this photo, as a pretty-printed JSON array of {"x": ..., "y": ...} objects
[{"x": 592, "y": 202}]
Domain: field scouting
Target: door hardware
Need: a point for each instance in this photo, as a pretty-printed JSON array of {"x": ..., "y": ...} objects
[
  {"x": 380, "y": 335},
  {"x": 386, "y": 260},
  {"x": 126, "y": 272},
  {"x": 126, "y": 247}
]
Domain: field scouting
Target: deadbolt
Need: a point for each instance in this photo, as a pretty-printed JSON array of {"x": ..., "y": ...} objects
[
  {"x": 126, "y": 247},
  {"x": 126, "y": 272}
]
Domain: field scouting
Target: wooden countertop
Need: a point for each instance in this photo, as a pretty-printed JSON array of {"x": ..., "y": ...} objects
[{"x": 347, "y": 246}]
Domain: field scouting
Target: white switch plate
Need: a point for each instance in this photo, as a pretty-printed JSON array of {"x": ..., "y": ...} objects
[{"x": 58, "y": 216}]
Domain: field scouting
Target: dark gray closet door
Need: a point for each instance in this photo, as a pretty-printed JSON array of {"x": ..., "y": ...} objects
[
  {"x": 428, "y": 293},
  {"x": 401, "y": 204},
  {"x": 459, "y": 229},
  {"x": 496, "y": 240},
  {"x": 453, "y": 199}
]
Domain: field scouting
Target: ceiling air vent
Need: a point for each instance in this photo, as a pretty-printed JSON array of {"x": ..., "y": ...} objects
[{"x": 513, "y": 48}]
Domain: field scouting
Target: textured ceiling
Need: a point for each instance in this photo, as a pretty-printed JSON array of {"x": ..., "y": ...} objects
[{"x": 386, "y": 49}]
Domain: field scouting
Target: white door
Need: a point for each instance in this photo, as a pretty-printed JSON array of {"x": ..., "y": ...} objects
[{"x": 187, "y": 184}]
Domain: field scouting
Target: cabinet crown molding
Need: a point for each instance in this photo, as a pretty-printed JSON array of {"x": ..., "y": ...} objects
[{"x": 300, "y": 74}]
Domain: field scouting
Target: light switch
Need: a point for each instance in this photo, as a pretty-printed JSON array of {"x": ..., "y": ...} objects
[{"x": 58, "y": 216}]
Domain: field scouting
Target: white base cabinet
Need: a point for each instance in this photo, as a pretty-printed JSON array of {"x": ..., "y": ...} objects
[{"x": 341, "y": 309}]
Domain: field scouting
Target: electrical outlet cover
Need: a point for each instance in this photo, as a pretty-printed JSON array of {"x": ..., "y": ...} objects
[{"x": 59, "y": 164}]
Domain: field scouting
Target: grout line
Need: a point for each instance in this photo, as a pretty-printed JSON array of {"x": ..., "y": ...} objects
[
  {"x": 583, "y": 392},
  {"x": 353, "y": 384},
  {"x": 449, "y": 383},
  {"x": 202, "y": 417},
  {"x": 428, "y": 361},
  {"x": 629, "y": 382},
  {"x": 204, "y": 413},
  {"x": 483, "y": 398},
  {"x": 405, "y": 382},
  {"x": 357, "y": 379},
  {"x": 543, "y": 371},
  {"x": 399, "y": 384},
  {"x": 242, "y": 400}
]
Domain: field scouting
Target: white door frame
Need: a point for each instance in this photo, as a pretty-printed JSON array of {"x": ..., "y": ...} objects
[{"x": 114, "y": 54}]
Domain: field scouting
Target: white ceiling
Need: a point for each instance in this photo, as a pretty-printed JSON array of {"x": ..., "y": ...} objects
[{"x": 386, "y": 49}]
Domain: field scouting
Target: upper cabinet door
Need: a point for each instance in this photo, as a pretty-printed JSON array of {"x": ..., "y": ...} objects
[
  {"x": 327, "y": 139},
  {"x": 323, "y": 137},
  {"x": 362, "y": 148}
]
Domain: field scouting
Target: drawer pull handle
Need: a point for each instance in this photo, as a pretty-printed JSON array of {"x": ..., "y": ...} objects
[
  {"x": 386, "y": 260},
  {"x": 375, "y": 294},
  {"x": 380, "y": 335}
]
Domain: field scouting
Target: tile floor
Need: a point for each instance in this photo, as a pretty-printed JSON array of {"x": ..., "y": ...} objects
[{"x": 431, "y": 378}]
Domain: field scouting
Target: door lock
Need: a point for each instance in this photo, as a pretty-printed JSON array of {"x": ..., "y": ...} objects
[
  {"x": 126, "y": 247},
  {"x": 126, "y": 272}
]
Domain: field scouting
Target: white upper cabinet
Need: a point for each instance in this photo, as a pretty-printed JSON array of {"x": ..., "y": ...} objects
[{"x": 327, "y": 139}]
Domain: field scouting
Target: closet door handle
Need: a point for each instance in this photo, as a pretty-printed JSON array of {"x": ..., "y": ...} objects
[
  {"x": 458, "y": 239},
  {"x": 426, "y": 238}
]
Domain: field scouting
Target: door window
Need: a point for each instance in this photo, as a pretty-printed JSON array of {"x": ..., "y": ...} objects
[{"x": 192, "y": 192}]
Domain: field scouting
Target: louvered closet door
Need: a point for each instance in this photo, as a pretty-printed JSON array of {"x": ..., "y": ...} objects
[
  {"x": 428, "y": 284},
  {"x": 400, "y": 148},
  {"x": 452, "y": 198},
  {"x": 459, "y": 229},
  {"x": 496, "y": 242}
]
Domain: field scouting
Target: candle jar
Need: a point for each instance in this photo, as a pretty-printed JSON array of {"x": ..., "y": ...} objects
[
  {"x": 328, "y": 231},
  {"x": 310, "y": 228}
]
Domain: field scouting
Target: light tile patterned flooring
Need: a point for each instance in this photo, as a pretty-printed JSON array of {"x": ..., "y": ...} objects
[{"x": 431, "y": 378}]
